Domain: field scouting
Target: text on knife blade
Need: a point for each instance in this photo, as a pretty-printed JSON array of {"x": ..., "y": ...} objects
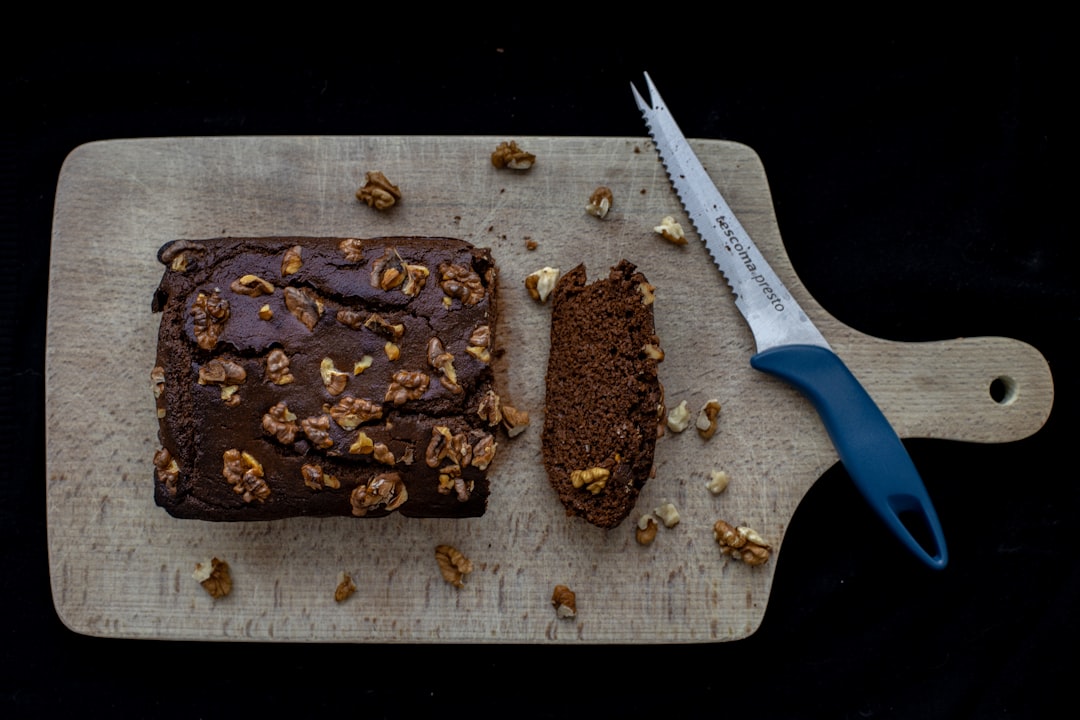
[{"x": 744, "y": 255}]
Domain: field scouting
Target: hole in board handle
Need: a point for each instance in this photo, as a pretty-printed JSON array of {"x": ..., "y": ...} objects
[{"x": 1003, "y": 390}]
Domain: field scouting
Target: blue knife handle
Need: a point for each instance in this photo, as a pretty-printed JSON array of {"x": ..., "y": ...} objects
[{"x": 869, "y": 448}]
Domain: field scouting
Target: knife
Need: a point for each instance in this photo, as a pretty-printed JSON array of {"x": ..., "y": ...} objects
[{"x": 791, "y": 348}]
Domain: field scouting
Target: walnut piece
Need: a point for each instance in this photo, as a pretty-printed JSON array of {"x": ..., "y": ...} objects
[
  {"x": 178, "y": 254},
  {"x": 515, "y": 421},
  {"x": 382, "y": 454},
  {"x": 378, "y": 192},
  {"x": 668, "y": 514},
  {"x": 210, "y": 312},
  {"x": 245, "y": 473},
  {"x": 718, "y": 482},
  {"x": 645, "y": 533},
  {"x": 406, "y": 385},
  {"x": 447, "y": 478},
  {"x": 489, "y": 408},
  {"x": 317, "y": 429},
  {"x": 352, "y": 249},
  {"x": 541, "y": 283},
  {"x": 565, "y": 602},
  {"x": 362, "y": 364},
  {"x": 648, "y": 293},
  {"x": 304, "y": 305},
  {"x": 168, "y": 472},
  {"x": 316, "y": 479},
  {"x": 509, "y": 155},
  {"x": 444, "y": 444},
  {"x": 480, "y": 353},
  {"x": 277, "y": 367},
  {"x": 379, "y": 325},
  {"x": 221, "y": 372},
  {"x": 483, "y": 452},
  {"x": 480, "y": 336},
  {"x": 741, "y": 543},
  {"x": 415, "y": 278},
  {"x": 671, "y": 231},
  {"x": 350, "y": 412},
  {"x": 229, "y": 396},
  {"x": 706, "y": 420},
  {"x": 479, "y": 343},
  {"x": 386, "y": 272},
  {"x": 678, "y": 418},
  {"x": 460, "y": 282},
  {"x": 252, "y": 286},
  {"x": 600, "y": 202},
  {"x": 292, "y": 260},
  {"x": 386, "y": 489},
  {"x": 462, "y": 488},
  {"x": 443, "y": 361},
  {"x": 593, "y": 479},
  {"x": 281, "y": 423},
  {"x": 362, "y": 445},
  {"x": 345, "y": 587},
  {"x": 157, "y": 381},
  {"x": 452, "y": 564},
  {"x": 214, "y": 576},
  {"x": 333, "y": 379}
]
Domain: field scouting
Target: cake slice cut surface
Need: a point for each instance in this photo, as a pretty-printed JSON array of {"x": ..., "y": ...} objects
[{"x": 603, "y": 398}]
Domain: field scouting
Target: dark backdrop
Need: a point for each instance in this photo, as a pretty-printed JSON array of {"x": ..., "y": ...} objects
[{"x": 920, "y": 183}]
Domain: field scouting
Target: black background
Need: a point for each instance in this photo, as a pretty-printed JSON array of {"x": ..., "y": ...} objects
[{"x": 922, "y": 182}]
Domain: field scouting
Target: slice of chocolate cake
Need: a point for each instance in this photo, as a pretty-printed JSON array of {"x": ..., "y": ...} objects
[
  {"x": 603, "y": 395},
  {"x": 325, "y": 376}
]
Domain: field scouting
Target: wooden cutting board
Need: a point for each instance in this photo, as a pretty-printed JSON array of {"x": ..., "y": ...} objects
[{"x": 122, "y": 567}]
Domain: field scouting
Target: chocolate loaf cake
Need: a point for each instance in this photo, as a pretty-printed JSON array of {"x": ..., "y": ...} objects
[
  {"x": 325, "y": 376},
  {"x": 603, "y": 396}
]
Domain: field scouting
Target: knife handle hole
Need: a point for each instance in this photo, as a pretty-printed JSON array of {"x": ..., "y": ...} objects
[{"x": 1003, "y": 390}]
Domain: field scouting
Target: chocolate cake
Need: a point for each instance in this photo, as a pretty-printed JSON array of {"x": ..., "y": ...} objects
[
  {"x": 603, "y": 397},
  {"x": 325, "y": 376}
]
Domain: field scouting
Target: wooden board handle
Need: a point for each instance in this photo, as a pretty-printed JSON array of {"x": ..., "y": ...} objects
[{"x": 984, "y": 389}]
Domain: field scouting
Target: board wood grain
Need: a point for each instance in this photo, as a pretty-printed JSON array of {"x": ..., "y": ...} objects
[{"x": 121, "y": 567}]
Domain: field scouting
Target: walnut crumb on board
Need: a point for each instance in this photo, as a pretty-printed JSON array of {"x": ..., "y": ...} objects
[
  {"x": 378, "y": 192},
  {"x": 214, "y": 576},
  {"x": 741, "y": 543},
  {"x": 345, "y": 587},
  {"x": 565, "y": 602},
  {"x": 453, "y": 565},
  {"x": 509, "y": 155}
]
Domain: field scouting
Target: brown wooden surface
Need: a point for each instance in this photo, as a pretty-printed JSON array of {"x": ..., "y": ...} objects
[{"x": 121, "y": 567}]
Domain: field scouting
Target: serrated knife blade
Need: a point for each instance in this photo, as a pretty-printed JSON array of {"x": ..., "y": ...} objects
[{"x": 790, "y": 347}]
